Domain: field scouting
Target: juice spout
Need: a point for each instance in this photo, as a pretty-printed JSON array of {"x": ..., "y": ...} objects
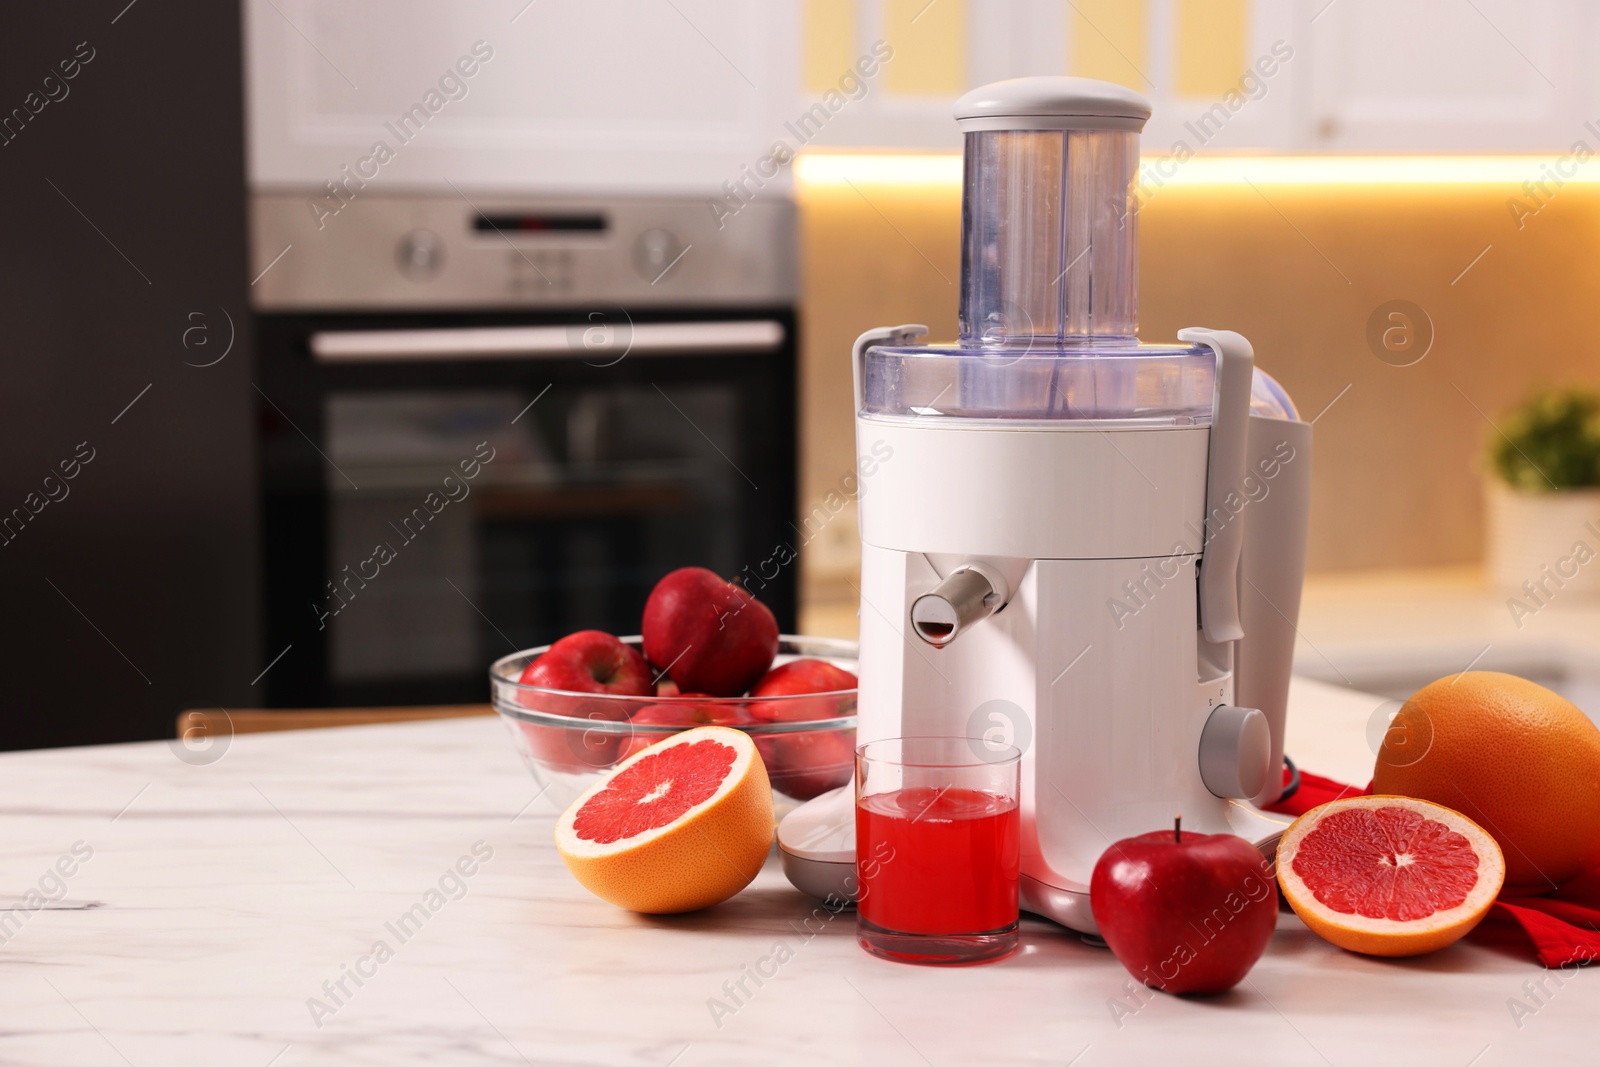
[{"x": 967, "y": 596}]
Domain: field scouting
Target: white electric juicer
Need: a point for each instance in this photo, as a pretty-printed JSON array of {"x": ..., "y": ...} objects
[{"x": 1082, "y": 545}]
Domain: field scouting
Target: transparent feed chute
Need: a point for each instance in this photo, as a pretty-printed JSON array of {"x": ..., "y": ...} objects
[{"x": 1049, "y": 276}]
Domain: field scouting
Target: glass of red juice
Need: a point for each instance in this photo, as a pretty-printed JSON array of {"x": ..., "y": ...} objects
[{"x": 938, "y": 849}]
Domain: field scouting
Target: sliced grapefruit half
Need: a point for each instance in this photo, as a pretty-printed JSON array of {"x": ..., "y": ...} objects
[
  {"x": 681, "y": 825},
  {"x": 1389, "y": 876}
]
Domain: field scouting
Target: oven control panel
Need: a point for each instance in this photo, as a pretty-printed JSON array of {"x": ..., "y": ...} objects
[{"x": 449, "y": 250}]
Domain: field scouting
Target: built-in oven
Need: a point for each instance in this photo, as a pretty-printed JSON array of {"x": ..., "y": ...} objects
[{"x": 487, "y": 423}]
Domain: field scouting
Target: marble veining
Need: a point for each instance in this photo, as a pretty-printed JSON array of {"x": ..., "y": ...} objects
[{"x": 158, "y": 912}]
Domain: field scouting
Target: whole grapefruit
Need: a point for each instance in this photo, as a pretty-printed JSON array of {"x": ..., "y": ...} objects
[{"x": 1520, "y": 760}]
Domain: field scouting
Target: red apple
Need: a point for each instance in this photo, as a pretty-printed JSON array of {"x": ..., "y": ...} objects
[
  {"x": 809, "y": 763},
  {"x": 1185, "y": 912},
  {"x": 713, "y": 713},
  {"x": 708, "y": 634},
  {"x": 804, "y": 676},
  {"x": 574, "y": 750},
  {"x": 594, "y": 671},
  {"x": 591, "y": 661},
  {"x": 666, "y": 687},
  {"x": 806, "y": 764}
]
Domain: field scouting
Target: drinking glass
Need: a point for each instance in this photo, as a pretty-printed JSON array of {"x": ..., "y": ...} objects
[{"x": 938, "y": 849}]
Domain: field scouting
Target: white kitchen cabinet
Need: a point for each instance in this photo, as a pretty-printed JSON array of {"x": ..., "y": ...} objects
[
  {"x": 1458, "y": 76},
  {"x": 1244, "y": 99},
  {"x": 1347, "y": 76},
  {"x": 1145, "y": 44},
  {"x": 936, "y": 51},
  {"x": 603, "y": 95},
  {"x": 683, "y": 95}
]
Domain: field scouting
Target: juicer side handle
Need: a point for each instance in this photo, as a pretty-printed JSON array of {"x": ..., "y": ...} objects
[
  {"x": 908, "y": 333},
  {"x": 1271, "y": 573},
  {"x": 1223, "y": 537}
]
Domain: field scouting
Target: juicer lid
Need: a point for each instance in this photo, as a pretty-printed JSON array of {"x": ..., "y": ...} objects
[{"x": 1051, "y": 103}]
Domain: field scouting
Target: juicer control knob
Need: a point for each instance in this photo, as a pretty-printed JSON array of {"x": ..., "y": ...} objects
[{"x": 1236, "y": 752}]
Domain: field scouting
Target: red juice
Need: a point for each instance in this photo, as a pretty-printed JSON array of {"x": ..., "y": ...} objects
[{"x": 938, "y": 860}]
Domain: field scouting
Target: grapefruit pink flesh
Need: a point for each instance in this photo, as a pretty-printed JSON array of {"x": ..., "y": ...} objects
[
  {"x": 655, "y": 790},
  {"x": 1386, "y": 863}
]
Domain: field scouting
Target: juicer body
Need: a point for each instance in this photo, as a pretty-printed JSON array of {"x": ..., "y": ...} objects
[{"x": 1096, "y": 666}]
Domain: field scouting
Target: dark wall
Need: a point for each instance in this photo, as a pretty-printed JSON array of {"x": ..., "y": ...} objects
[{"x": 132, "y": 594}]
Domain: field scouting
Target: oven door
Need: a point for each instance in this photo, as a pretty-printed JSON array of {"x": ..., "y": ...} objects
[{"x": 440, "y": 490}]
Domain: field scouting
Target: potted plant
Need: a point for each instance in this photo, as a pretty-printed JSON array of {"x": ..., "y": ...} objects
[{"x": 1544, "y": 498}]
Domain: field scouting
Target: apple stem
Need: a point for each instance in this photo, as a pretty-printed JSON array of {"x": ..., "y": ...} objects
[{"x": 1177, "y": 828}]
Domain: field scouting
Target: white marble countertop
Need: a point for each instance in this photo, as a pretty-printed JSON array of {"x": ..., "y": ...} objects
[{"x": 217, "y": 899}]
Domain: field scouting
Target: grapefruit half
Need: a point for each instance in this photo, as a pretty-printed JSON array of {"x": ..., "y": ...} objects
[
  {"x": 1389, "y": 876},
  {"x": 681, "y": 825}
]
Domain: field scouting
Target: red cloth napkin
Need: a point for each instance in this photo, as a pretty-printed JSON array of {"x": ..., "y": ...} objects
[
  {"x": 1563, "y": 925},
  {"x": 1314, "y": 790}
]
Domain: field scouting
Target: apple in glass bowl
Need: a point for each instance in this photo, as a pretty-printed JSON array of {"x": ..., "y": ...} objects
[
  {"x": 585, "y": 675},
  {"x": 569, "y": 737},
  {"x": 810, "y": 761}
]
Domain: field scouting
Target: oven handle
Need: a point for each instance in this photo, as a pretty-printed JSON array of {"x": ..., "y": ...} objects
[{"x": 607, "y": 342}]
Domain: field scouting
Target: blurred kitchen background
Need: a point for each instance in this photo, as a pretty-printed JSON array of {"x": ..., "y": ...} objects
[{"x": 550, "y": 297}]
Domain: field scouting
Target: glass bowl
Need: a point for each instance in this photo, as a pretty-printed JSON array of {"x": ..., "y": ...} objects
[{"x": 569, "y": 739}]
